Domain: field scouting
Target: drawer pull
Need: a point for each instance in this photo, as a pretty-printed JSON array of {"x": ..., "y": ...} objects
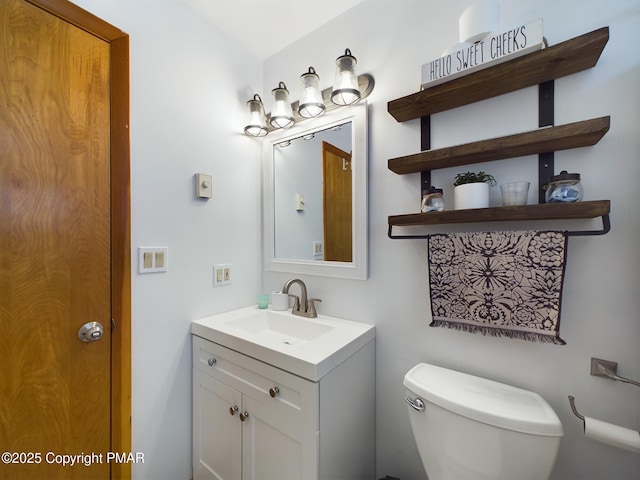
[
  {"x": 212, "y": 362},
  {"x": 273, "y": 391},
  {"x": 244, "y": 416},
  {"x": 233, "y": 410}
]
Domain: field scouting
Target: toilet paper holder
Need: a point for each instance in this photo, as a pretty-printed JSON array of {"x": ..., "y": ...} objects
[
  {"x": 614, "y": 435},
  {"x": 601, "y": 368},
  {"x": 572, "y": 403}
]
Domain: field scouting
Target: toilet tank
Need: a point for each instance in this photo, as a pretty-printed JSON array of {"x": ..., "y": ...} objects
[{"x": 474, "y": 428}]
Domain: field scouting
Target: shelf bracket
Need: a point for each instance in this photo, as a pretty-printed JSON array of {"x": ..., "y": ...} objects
[
  {"x": 546, "y": 117},
  {"x": 425, "y": 144}
]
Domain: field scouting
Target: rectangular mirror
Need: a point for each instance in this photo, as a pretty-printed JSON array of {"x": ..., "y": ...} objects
[{"x": 315, "y": 202}]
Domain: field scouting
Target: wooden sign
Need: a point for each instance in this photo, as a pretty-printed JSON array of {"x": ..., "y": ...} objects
[{"x": 491, "y": 50}]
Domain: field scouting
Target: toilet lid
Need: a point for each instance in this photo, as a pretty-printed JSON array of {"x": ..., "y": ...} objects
[{"x": 484, "y": 400}]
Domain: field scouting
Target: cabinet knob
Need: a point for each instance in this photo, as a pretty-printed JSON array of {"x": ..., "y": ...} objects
[
  {"x": 233, "y": 410},
  {"x": 212, "y": 362},
  {"x": 273, "y": 391},
  {"x": 244, "y": 416}
]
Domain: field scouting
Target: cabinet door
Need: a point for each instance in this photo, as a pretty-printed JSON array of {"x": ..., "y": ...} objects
[
  {"x": 275, "y": 446},
  {"x": 217, "y": 441}
]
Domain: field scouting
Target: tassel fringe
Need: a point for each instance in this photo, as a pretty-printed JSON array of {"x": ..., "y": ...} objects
[{"x": 498, "y": 332}]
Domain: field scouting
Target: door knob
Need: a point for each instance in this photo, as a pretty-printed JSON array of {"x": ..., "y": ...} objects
[
  {"x": 90, "y": 332},
  {"x": 244, "y": 416}
]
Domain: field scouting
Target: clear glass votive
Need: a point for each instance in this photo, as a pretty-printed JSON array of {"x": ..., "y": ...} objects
[{"x": 514, "y": 193}]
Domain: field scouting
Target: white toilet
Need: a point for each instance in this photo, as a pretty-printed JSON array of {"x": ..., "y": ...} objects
[{"x": 471, "y": 428}]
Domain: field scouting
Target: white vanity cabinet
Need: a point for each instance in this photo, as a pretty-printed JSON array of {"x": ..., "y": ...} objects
[{"x": 254, "y": 421}]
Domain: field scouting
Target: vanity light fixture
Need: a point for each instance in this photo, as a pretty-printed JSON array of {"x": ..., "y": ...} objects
[
  {"x": 345, "y": 86},
  {"x": 311, "y": 104},
  {"x": 257, "y": 126},
  {"x": 282, "y": 115},
  {"x": 347, "y": 89}
]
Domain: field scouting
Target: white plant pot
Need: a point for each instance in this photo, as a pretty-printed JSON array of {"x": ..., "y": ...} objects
[{"x": 471, "y": 195}]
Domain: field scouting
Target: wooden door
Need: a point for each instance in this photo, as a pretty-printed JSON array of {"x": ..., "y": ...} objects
[
  {"x": 56, "y": 246},
  {"x": 337, "y": 204}
]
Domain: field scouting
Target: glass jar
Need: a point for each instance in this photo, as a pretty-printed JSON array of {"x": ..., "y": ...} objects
[
  {"x": 564, "y": 187},
  {"x": 433, "y": 201}
]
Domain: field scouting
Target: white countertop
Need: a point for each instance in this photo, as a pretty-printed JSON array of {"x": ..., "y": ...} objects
[{"x": 310, "y": 358}]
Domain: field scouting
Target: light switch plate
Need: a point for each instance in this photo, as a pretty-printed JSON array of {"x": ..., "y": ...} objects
[
  {"x": 222, "y": 275},
  {"x": 318, "y": 251},
  {"x": 153, "y": 259},
  {"x": 204, "y": 185}
]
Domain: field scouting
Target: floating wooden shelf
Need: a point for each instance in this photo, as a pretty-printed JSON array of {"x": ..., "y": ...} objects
[
  {"x": 541, "y": 67},
  {"x": 548, "y": 139},
  {"x": 545, "y": 211},
  {"x": 566, "y": 58}
]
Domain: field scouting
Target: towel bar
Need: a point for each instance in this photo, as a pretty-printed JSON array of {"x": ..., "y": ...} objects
[
  {"x": 606, "y": 227},
  {"x": 607, "y": 369}
]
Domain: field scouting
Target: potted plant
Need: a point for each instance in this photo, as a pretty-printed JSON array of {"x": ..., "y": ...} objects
[{"x": 472, "y": 190}]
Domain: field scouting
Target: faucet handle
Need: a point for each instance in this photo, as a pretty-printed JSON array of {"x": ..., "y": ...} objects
[
  {"x": 296, "y": 301},
  {"x": 312, "y": 307}
]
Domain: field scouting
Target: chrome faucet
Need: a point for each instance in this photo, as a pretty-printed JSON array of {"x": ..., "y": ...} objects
[{"x": 301, "y": 306}]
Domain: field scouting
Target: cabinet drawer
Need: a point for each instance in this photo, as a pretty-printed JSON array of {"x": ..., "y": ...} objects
[{"x": 296, "y": 398}]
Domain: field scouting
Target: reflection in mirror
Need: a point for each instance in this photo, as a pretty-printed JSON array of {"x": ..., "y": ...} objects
[
  {"x": 315, "y": 203},
  {"x": 312, "y": 195}
]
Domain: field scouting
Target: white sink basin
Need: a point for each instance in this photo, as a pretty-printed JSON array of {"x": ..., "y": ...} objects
[
  {"x": 274, "y": 327},
  {"x": 308, "y": 347}
]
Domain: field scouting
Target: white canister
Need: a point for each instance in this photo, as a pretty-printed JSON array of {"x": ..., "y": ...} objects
[
  {"x": 479, "y": 19},
  {"x": 279, "y": 301}
]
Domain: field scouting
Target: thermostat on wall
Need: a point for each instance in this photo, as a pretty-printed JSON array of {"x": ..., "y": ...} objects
[{"x": 204, "y": 186}]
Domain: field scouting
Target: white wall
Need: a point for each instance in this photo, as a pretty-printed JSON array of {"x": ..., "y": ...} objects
[
  {"x": 391, "y": 39},
  {"x": 189, "y": 85}
]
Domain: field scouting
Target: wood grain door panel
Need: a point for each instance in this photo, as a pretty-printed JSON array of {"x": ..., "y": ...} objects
[
  {"x": 55, "y": 241},
  {"x": 337, "y": 197}
]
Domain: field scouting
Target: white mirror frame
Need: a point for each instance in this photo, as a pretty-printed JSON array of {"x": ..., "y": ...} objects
[{"x": 358, "y": 268}]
